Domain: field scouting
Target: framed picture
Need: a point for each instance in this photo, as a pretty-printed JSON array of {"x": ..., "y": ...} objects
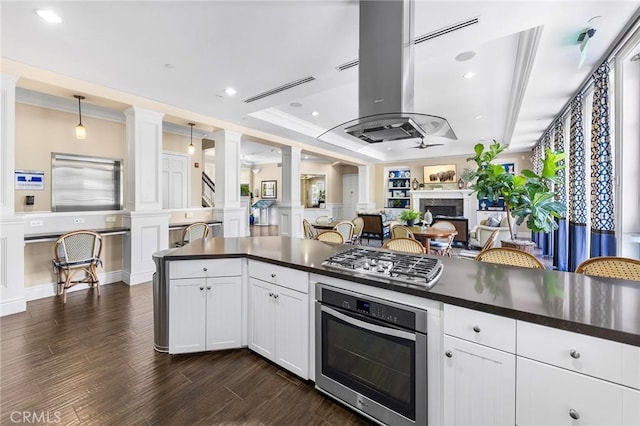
[
  {"x": 269, "y": 189},
  {"x": 440, "y": 174}
]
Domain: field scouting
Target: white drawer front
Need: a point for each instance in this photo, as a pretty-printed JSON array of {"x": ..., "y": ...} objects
[
  {"x": 547, "y": 395},
  {"x": 584, "y": 354},
  {"x": 479, "y": 327},
  {"x": 205, "y": 268},
  {"x": 280, "y": 275}
]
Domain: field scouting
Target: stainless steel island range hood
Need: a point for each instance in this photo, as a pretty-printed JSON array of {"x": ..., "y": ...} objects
[{"x": 386, "y": 79}]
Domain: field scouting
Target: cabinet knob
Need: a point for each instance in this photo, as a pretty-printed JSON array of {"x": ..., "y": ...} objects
[
  {"x": 201, "y": 288},
  {"x": 208, "y": 287},
  {"x": 270, "y": 294},
  {"x": 273, "y": 275},
  {"x": 449, "y": 354},
  {"x": 574, "y": 414},
  {"x": 476, "y": 329},
  {"x": 204, "y": 269},
  {"x": 574, "y": 354},
  {"x": 275, "y": 296}
]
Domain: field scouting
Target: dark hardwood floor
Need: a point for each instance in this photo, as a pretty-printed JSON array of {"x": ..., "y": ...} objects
[{"x": 92, "y": 361}]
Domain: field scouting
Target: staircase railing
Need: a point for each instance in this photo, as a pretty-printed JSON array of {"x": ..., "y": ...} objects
[{"x": 208, "y": 191}]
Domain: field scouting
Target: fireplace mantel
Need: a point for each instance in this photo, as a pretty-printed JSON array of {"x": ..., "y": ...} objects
[{"x": 467, "y": 196}]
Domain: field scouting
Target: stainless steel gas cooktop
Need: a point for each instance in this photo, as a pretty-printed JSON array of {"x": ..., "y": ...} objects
[{"x": 393, "y": 267}]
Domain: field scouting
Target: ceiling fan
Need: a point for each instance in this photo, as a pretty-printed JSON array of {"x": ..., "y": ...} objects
[{"x": 423, "y": 145}]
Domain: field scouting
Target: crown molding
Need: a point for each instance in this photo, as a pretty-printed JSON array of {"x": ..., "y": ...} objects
[{"x": 527, "y": 48}]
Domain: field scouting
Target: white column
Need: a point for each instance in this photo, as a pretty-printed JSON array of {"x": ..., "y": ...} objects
[
  {"x": 148, "y": 223},
  {"x": 365, "y": 189},
  {"x": 12, "y": 294},
  {"x": 290, "y": 210},
  {"x": 235, "y": 222}
]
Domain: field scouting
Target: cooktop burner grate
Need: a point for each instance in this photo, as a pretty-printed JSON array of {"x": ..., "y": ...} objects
[{"x": 394, "y": 267}]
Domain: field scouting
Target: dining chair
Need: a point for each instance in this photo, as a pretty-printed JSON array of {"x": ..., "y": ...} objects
[
  {"x": 77, "y": 252},
  {"x": 442, "y": 246},
  {"x": 400, "y": 231},
  {"x": 509, "y": 256},
  {"x": 309, "y": 231},
  {"x": 358, "y": 227},
  {"x": 471, "y": 254},
  {"x": 407, "y": 245},
  {"x": 345, "y": 228},
  {"x": 193, "y": 232},
  {"x": 330, "y": 236},
  {"x": 611, "y": 266}
]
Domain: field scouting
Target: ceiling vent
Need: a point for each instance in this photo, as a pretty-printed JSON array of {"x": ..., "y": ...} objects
[
  {"x": 422, "y": 38},
  {"x": 280, "y": 89},
  {"x": 348, "y": 65},
  {"x": 446, "y": 30}
]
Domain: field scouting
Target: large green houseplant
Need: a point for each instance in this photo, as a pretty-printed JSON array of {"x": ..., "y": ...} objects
[{"x": 527, "y": 196}]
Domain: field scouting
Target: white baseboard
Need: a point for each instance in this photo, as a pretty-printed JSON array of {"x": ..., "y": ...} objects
[
  {"x": 13, "y": 306},
  {"x": 139, "y": 278},
  {"x": 47, "y": 290}
]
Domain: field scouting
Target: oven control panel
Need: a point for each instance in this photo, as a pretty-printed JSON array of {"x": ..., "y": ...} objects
[{"x": 369, "y": 307}]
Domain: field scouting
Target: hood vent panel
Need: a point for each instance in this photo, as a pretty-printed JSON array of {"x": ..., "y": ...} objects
[
  {"x": 386, "y": 80},
  {"x": 280, "y": 89},
  {"x": 445, "y": 31}
]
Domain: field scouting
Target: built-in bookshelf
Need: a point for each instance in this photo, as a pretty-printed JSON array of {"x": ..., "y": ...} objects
[{"x": 397, "y": 187}]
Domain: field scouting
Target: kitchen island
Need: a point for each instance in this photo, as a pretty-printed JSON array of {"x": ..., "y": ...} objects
[{"x": 513, "y": 327}]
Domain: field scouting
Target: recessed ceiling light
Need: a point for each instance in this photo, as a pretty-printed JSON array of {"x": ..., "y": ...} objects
[
  {"x": 295, "y": 104},
  {"x": 49, "y": 15},
  {"x": 230, "y": 91},
  {"x": 478, "y": 117},
  {"x": 388, "y": 148},
  {"x": 315, "y": 113},
  {"x": 306, "y": 157},
  {"x": 465, "y": 56},
  {"x": 469, "y": 75}
]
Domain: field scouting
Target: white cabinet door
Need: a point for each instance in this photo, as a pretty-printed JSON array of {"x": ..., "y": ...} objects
[
  {"x": 548, "y": 395},
  {"x": 292, "y": 335},
  {"x": 262, "y": 327},
  {"x": 187, "y": 315},
  {"x": 224, "y": 313},
  {"x": 479, "y": 384}
]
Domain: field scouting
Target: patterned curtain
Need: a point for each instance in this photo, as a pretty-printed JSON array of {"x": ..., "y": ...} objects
[
  {"x": 577, "y": 202},
  {"x": 603, "y": 239},
  {"x": 560, "y": 242}
]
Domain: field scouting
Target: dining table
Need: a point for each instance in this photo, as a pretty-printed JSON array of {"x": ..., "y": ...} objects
[
  {"x": 424, "y": 235},
  {"x": 324, "y": 226}
]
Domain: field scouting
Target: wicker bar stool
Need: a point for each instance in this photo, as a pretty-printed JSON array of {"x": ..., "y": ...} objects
[
  {"x": 509, "y": 256},
  {"x": 407, "y": 245},
  {"x": 611, "y": 266},
  {"x": 330, "y": 237}
]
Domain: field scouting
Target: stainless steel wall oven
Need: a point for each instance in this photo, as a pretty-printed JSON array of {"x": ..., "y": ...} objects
[{"x": 372, "y": 355}]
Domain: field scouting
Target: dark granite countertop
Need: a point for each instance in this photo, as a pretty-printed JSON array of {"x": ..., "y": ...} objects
[
  {"x": 55, "y": 235},
  {"x": 599, "y": 307}
]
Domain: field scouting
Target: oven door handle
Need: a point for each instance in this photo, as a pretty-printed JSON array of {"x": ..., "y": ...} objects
[{"x": 368, "y": 326}]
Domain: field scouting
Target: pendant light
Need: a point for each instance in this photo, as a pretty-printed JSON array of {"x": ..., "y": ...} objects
[
  {"x": 192, "y": 149},
  {"x": 81, "y": 132}
]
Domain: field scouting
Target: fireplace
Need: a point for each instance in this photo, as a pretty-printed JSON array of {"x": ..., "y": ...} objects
[{"x": 442, "y": 206}]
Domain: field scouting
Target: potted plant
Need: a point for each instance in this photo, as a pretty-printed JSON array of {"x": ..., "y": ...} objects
[
  {"x": 409, "y": 216},
  {"x": 467, "y": 175},
  {"x": 527, "y": 196}
]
